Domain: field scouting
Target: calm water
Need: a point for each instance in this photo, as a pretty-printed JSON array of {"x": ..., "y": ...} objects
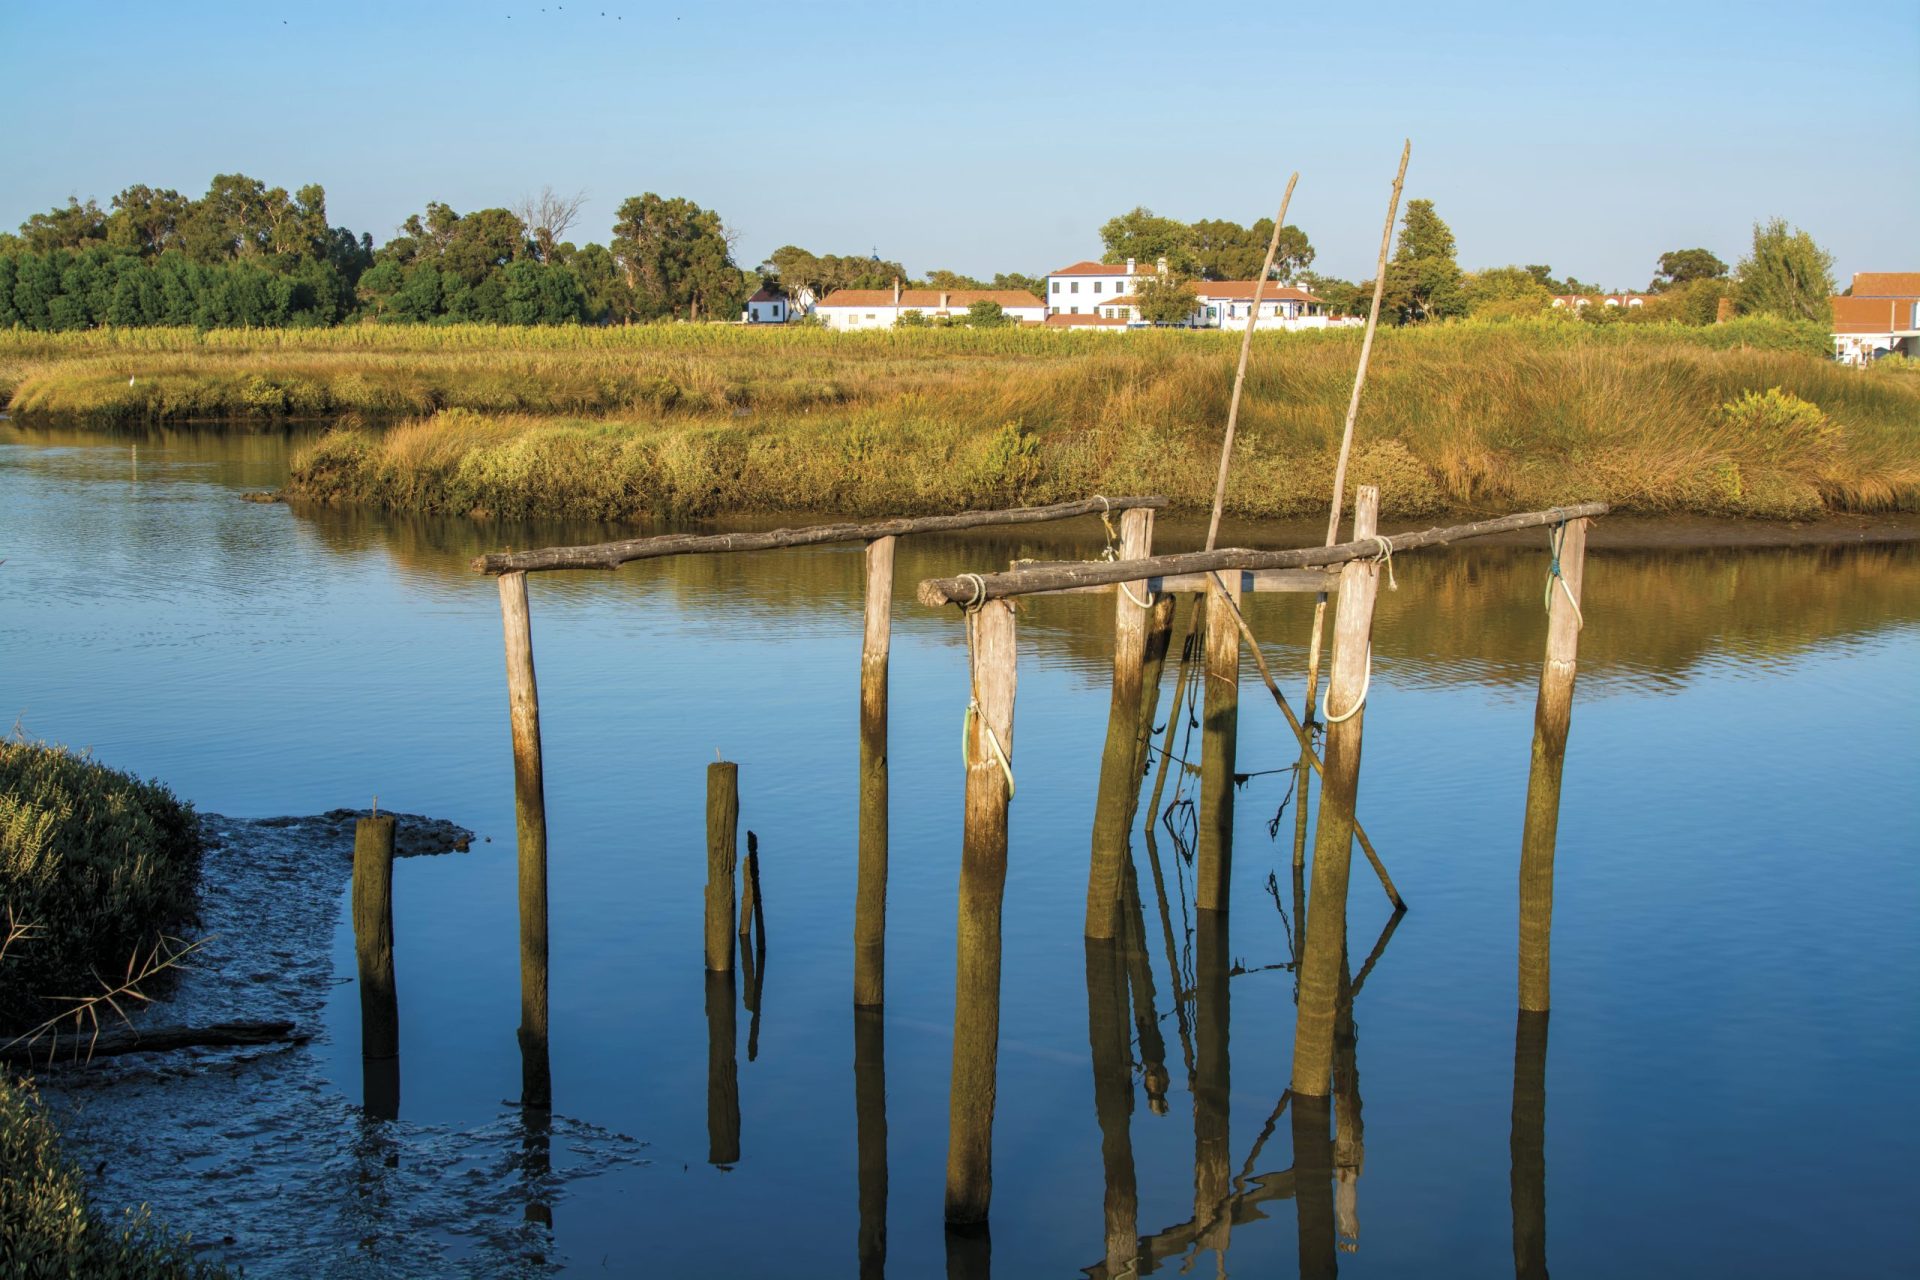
[{"x": 1735, "y": 1047}]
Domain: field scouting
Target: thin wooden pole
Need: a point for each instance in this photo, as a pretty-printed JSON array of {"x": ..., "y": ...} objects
[
  {"x": 723, "y": 1071},
  {"x": 870, "y": 897},
  {"x": 1119, "y": 779},
  {"x": 373, "y": 937},
  {"x": 1347, "y": 685},
  {"x": 1240, "y": 373},
  {"x": 1213, "y": 868},
  {"x": 1528, "y": 1146},
  {"x": 870, "y": 1119},
  {"x": 1353, "y": 412},
  {"x": 530, "y": 822},
  {"x": 749, "y": 885},
  {"x": 983, "y": 880},
  {"x": 1113, "y": 1097},
  {"x": 1552, "y": 718},
  {"x": 723, "y": 826}
]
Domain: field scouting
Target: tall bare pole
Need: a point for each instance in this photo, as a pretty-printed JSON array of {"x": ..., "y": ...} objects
[{"x": 1240, "y": 375}]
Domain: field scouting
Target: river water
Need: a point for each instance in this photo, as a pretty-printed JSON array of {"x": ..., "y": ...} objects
[{"x": 1735, "y": 1045}]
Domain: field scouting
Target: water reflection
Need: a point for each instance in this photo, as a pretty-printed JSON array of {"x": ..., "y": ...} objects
[
  {"x": 723, "y": 1079},
  {"x": 1529, "y": 1145},
  {"x": 870, "y": 1130}
]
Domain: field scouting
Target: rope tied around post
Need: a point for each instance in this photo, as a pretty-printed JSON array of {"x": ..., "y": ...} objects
[
  {"x": 1000, "y": 757},
  {"x": 1111, "y": 556},
  {"x": 1386, "y": 557},
  {"x": 1366, "y": 683},
  {"x": 1556, "y": 535}
]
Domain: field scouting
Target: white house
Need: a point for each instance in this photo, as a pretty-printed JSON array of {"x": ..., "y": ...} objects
[
  {"x": 1228, "y": 304},
  {"x": 1098, "y": 295},
  {"x": 1864, "y": 328},
  {"x": 1094, "y": 288},
  {"x": 1576, "y": 301},
  {"x": 768, "y": 306},
  {"x": 882, "y": 308}
]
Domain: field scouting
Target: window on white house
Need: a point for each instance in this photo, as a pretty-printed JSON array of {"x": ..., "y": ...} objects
[
  {"x": 1075, "y": 287},
  {"x": 1073, "y": 310},
  {"x": 1056, "y": 286},
  {"x": 1096, "y": 286}
]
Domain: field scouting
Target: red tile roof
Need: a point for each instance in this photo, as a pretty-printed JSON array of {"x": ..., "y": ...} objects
[
  {"x": 930, "y": 299},
  {"x": 1065, "y": 321},
  {"x": 1886, "y": 284},
  {"x": 1102, "y": 269},
  {"x": 768, "y": 295},
  {"x": 1242, "y": 291},
  {"x": 1873, "y": 315}
]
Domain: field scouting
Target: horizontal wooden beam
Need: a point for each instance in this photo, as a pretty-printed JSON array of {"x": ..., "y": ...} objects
[
  {"x": 969, "y": 589},
  {"x": 611, "y": 555},
  {"x": 1303, "y": 580}
]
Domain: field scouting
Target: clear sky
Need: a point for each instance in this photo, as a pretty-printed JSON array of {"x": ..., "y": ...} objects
[{"x": 992, "y": 136}]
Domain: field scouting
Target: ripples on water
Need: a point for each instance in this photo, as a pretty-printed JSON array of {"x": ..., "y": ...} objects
[{"x": 1734, "y": 945}]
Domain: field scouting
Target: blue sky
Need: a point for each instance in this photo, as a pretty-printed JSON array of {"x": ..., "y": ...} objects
[{"x": 993, "y": 136}]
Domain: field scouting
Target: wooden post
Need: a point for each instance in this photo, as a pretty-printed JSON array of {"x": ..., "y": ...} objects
[
  {"x": 870, "y": 1117},
  {"x": 1119, "y": 778},
  {"x": 1528, "y": 1146},
  {"x": 1213, "y": 1082},
  {"x": 1319, "y": 1259},
  {"x": 1347, "y": 684},
  {"x": 983, "y": 880},
  {"x": 1146, "y": 1016},
  {"x": 1552, "y": 717},
  {"x": 1153, "y": 664},
  {"x": 1213, "y": 869},
  {"x": 380, "y": 1088},
  {"x": 373, "y": 937},
  {"x": 749, "y": 885},
  {"x": 723, "y": 828},
  {"x": 723, "y": 1073},
  {"x": 870, "y": 895},
  {"x": 530, "y": 823},
  {"x": 1349, "y": 1143},
  {"x": 1107, "y": 1035}
]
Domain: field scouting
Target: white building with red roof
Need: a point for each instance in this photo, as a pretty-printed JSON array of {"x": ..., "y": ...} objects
[
  {"x": 1102, "y": 295},
  {"x": 1880, "y": 315},
  {"x": 845, "y": 309}
]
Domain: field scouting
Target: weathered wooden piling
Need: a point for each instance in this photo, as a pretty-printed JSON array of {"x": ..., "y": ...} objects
[
  {"x": 870, "y": 1137},
  {"x": 870, "y": 895},
  {"x": 380, "y": 1088},
  {"x": 1108, "y": 1037},
  {"x": 373, "y": 936},
  {"x": 723, "y": 1072},
  {"x": 983, "y": 878},
  {"x": 530, "y": 823},
  {"x": 1348, "y": 680},
  {"x": 1528, "y": 1145},
  {"x": 1213, "y": 866},
  {"x": 723, "y": 828},
  {"x": 1213, "y": 1081},
  {"x": 1552, "y": 717},
  {"x": 1119, "y": 788}
]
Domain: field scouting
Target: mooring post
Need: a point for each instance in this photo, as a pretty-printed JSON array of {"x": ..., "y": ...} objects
[
  {"x": 1107, "y": 1036},
  {"x": 1528, "y": 1145},
  {"x": 1348, "y": 679},
  {"x": 530, "y": 823},
  {"x": 870, "y": 895},
  {"x": 723, "y": 826},
  {"x": 870, "y": 1137},
  {"x": 983, "y": 880},
  {"x": 1119, "y": 778},
  {"x": 373, "y": 936},
  {"x": 1552, "y": 717},
  {"x": 1213, "y": 867},
  {"x": 723, "y": 1072}
]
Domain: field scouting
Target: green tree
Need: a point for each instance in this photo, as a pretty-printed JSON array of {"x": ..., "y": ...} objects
[
  {"x": 944, "y": 279},
  {"x": 987, "y": 314},
  {"x": 1146, "y": 237},
  {"x": 676, "y": 258},
  {"x": 1423, "y": 280},
  {"x": 1342, "y": 297},
  {"x": 1165, "y": 299},
  {"x": 147, "y": 221},
  {"x": 1217, "y": 249},
  {"x": 1502, "y": 289},
  {"x": 1684, "y": 266},
  {"x": 1786, "y": 274},
  {"x": 73, "y": 227},
  {"x": 1035, "y": 285}
]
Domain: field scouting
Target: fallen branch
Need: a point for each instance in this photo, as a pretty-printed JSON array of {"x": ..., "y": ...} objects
[{"x": 108, "y": 1044}]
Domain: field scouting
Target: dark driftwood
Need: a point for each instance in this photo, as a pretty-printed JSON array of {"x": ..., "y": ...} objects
[
  {"x": 1094, "y": 573},
  {"x": 108, "y": 1044},
  {"x": 611, "y": 555}
]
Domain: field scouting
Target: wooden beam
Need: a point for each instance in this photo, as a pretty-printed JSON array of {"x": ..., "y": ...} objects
[
  {"x": 77, "y": 1048},
  {"x": 611, "y": 555},
  {"x": 1251, "y": 580},
  {"x": 973, "y": 589}
]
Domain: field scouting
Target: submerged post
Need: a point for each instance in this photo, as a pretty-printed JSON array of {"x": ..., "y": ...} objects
[
  {"x": 530, "y": 823},
  {"x": 983, "y": 880},
  {"x": 373, "y": 937},
  {"x": 1348, "y": 679},
  {"x": 1552, "y": 717},
  {"x": 723, "y": 825},
  {"x": 1213, "y": 868},
  {"x": 1119, "y": 774},
  {"x": 870, "y": 894}
]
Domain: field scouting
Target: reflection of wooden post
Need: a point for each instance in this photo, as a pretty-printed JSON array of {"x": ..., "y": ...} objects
[
  {"x": 373, "y": 936},
  {"x": 723, "y": 1079},
  {"x": 1552, "y": 716},
  {"x": 969, "y": 1252},
  {"x": 530, "y": 821},
  {"x": 1113, "y": 1097},
  {"x": 1146, "y": 1017},
  {"x": 870, "y": 1112},
  {"x": 1347, "y": 682},
  {"x": 983, "y": 880},
  {"x": 1313, "y": 1176},
  {"x": 723, "y": 829},
  {"x": 380, "y": 1088},
  {"x": 1212, "y": 1153},
  {"x": 1153, "y": 663},
  {"x": 1213, "y": 869},
  {"x": 1349, "y": 1145},
  {"x": 1119, "y": 777},
  {"x": 870, "y": 896},
  {"x": 1529, "y": 1146}
]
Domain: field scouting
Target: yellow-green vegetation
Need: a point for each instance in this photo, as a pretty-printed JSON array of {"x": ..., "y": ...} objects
[
  {"x": 95, "y": 865},
  {"x": 698, "y": 420},
  {"x": 47, "y": 1228}
]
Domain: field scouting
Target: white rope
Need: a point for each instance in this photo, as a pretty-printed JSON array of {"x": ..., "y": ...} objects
[
  {"x": 1555, "y": 537},
  {"x": 1366, "y": 683},
  {"x": 1386, "y": 554},
  {"x": 979, "y": 591},
  {"x": 993, "y": 741}
]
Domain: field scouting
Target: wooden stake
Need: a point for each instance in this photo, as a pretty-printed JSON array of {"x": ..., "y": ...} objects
[
  {"x": 1107, "y": 1035},
  {"x": 530, "y": 822},
  {"x": 870, "y": 1112},
  {"x": 1326, "y": 926},
  {"x": 723, "y": 825},
  {"x": 373, "y": 937},
  {"x": 1552, "y": 717},
  {"x": 983, "y": 879},
  {"x": 1528, "y": 1146},
  {"x": 723, "y": 1072},
  {"x": 1213, "y": 869},
  {"x": 749, "y": 884},
  {"x": 1240, "y": 373},
  {"x": 1119, "y": 778},
  {"x": 870, "y": 896}
]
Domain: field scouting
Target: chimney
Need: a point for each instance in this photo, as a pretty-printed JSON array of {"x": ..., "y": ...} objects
[
  {"x": 1161, "y": 266},
  {"x": 1129, "y": 266},
  {"x": 896, "y": 291},
  {"x": 944, "y": 295}
]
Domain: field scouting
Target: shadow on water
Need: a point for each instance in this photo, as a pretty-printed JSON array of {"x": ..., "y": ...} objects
[{"x": 1529, "y": 1145}]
